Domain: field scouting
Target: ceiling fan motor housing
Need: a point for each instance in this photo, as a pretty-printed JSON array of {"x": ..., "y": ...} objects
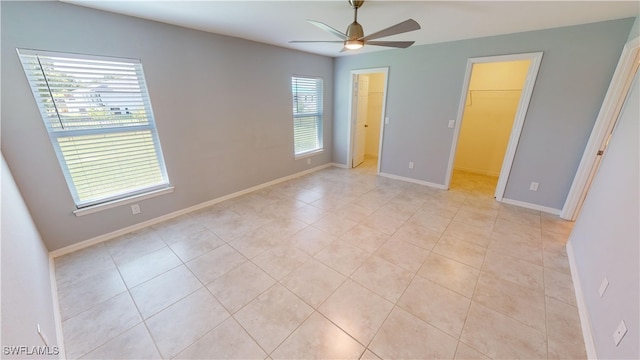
[{"x": 354, "y": 31}]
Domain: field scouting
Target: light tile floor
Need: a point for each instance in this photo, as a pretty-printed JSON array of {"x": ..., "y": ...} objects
[{"x": 335, "y": 264}]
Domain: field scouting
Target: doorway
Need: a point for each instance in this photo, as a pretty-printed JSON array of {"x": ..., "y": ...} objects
[
  {"x": 368, "y": 100},
  {"x": 605, "y": 123},
  {"x": 495, "y": 98}
]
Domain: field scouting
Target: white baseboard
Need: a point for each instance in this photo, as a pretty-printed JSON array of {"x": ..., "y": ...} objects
[
  {"x": 101, "y": 238},
  {"x": 532, "y": 206},
  {"x": 57, "y": 317},
  {"x": 414, "y": 181},
  {"x": 338, "y": 165},
  {"x": 585, "y": 320}
]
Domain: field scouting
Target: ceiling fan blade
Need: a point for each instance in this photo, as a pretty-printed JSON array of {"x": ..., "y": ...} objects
[
  {"x": 395, "y": 44},
  {"x": 329, "y": 29},
  {"x": 315, "y": 41},
  {"x": 403, "y": 27}
]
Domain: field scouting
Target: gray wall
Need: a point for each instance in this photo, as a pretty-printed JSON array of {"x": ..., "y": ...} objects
[
  {"x": 424, "y": 91},
  {"x": 26, "y": 285},
  {"x": 635, "y": 30},
  {"x": 222, "y": 106},
  {"x": 605, "y": 239}
]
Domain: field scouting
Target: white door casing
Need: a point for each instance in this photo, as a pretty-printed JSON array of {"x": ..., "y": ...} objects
[{"x": 605, "y": 122}]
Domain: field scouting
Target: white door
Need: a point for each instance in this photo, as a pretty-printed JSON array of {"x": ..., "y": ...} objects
[{"x": 360, "y": 137}]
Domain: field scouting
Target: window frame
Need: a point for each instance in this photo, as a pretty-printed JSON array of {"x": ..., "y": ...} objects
[
  {"x": 319, "y": 115},
  {"x": 49, "y": 111}
]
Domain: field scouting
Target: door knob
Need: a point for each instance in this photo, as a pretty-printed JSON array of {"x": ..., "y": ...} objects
[{"x": 365, "y": 125}]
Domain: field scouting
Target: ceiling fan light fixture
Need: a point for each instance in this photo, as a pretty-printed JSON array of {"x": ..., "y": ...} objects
[
  {"x": 354, "y": 38},
  {"x": 353, "y": 44}
]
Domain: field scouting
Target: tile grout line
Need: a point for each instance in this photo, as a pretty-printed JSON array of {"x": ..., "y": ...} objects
[{"x": 310, "y": 185}]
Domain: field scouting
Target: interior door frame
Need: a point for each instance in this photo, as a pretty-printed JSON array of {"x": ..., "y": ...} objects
[
  {"x": 518, "y": 122},
  {"x": 353, "y": 108},
  {"x": 606, "y": 120}
]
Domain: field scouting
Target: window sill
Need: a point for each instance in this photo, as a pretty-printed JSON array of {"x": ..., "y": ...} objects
[
  {"x": 115, "y": 203},
  {"x": 308, "y": 154}
]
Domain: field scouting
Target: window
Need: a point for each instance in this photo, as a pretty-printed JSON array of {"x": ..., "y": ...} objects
[
  {"x": 307, "y": 114},
  {"x": 98, "y": 115}
]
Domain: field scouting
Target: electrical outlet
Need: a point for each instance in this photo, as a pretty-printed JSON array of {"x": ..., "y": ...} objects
[
  {"x": 603, "y": 287},
  {"x": 410, "y": 164},
  {"x": 386, "y": 120},
  {"x": 619, "y": 333},
  {"x": 309, "y": 161},
  {"x": 452, "y": 123},
  {"x": 135, "y": 209},
  {"x": 534, "y": 186}
]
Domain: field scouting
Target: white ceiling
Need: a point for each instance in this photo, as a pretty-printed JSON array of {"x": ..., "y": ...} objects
[{"x": 278, "y": 22}]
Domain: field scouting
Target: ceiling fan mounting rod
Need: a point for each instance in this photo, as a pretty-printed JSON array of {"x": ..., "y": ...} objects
[{"x": 355, "y": 5}]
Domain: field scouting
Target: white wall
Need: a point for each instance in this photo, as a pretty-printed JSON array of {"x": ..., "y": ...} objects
[
  {"x": 222, "y": 106},
  {"x": 605, "y": 241},
  {"x": 424, "y": 89},
  {"x": 26, "y": 286}
]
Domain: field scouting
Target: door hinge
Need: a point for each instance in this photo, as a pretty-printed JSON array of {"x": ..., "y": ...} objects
[{"x": 600, "y": 152}]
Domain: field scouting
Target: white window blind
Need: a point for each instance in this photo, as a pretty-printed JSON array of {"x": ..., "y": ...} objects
[
  {"x": 307, "y": 114},
  {"x": 98, "y": 115}
]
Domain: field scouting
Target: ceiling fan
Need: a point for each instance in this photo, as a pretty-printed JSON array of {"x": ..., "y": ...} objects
[{"x": 354, "y": 38}]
